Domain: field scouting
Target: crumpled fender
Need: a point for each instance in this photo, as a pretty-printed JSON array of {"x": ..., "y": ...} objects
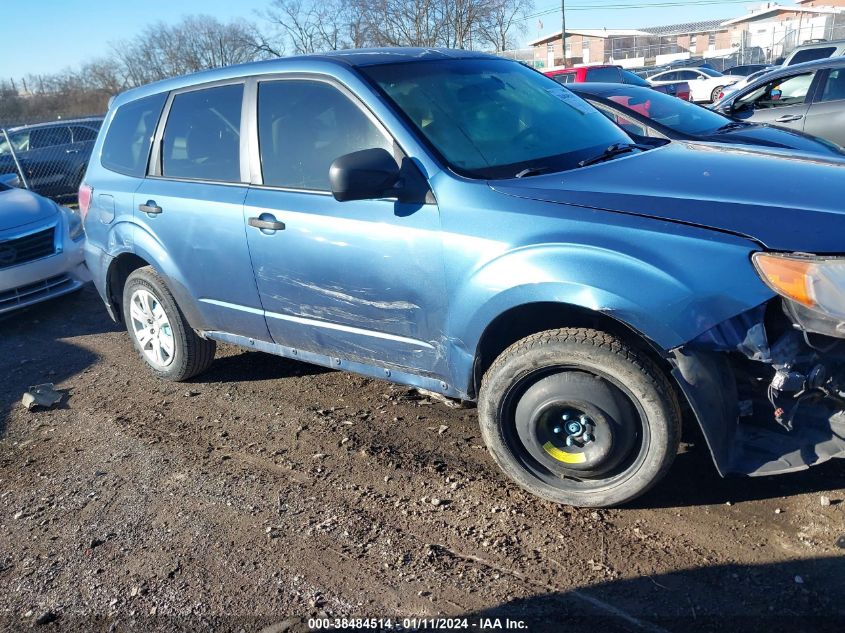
[
  {"x": 143, "y": 244},
  {"x": 670, "y": 290}
]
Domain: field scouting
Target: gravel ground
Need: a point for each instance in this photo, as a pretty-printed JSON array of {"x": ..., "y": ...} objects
[{"x": 266, "y": 492}]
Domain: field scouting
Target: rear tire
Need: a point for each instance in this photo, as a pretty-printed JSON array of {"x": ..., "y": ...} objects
[
  {"x": 159, "y": 330},
  {"x": 577, "y": 416}
]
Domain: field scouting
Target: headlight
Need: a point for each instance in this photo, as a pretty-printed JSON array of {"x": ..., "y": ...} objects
[
  {"x": 816, "y": 285},
  {"x": 74, "y": 224}
]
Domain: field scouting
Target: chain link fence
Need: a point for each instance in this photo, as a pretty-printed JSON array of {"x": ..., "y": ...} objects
[{"x": 48, "y": 158}]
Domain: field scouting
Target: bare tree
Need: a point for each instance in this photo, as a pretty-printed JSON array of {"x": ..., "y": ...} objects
[
  {"x": 502, "y": 21},
  {"x": 310, "y": 26},
  {"x": 196, "y": 43}
]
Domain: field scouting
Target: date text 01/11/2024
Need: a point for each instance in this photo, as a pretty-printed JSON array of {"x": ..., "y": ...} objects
[{"x": 416, "y": 624}]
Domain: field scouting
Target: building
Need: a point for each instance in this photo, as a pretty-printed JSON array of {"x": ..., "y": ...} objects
[
  {"x": 585, "y": 46},
  {"x": 776, "y": 29},
  {"x": 766, "y": 32}
]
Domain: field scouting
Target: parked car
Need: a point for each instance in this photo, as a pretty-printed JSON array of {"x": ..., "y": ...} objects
[
  {"x": 745, "y": 70},
  {"x": 745, "y": 81},
  {"x": 52, "y": 155},
  {"x": 815, "y": 51},
  {"x": 705, "y": 84},
  {"x": 41, "y": 253},
  {"x": 642, "y": 112},
  {"x": 615, "y": 74},
  {"x": 809, "y": 97},
  {"x": 460, "y": 223}
]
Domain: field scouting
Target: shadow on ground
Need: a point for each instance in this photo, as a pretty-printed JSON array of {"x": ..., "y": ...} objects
[
  {"x": 797, "y": 596},
  {"x": 804, "y": 596},
  {"x": 254, "y": 366},
  {"x": 33, "y": 349},
  {"x": 694, "y": 481}
]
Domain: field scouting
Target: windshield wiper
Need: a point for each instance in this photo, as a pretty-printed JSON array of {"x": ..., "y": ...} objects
[
  {"x": 613, "y": 151},
  {"x": 531, "y": 171}
]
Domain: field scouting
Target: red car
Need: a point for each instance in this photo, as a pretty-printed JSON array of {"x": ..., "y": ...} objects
[{"x": 616, "y": 75}]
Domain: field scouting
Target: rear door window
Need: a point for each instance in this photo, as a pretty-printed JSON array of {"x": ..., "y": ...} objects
[
  {"x": 81, "y": 134},
  {"x": 834, "y": 88},
  {"x": 303, "y": 126},
  {"x": 609, "y": 75},
  {"x": 40, "y": 138},
  {"x": 811, "y": 54},
  {"x": 202, "y": 135},
  {"x": 126, "y": 148}
]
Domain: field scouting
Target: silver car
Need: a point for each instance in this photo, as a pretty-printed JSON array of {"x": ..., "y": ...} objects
[
  {"x": 41, "y": 253},
  {"x": 808, "y": 97}
]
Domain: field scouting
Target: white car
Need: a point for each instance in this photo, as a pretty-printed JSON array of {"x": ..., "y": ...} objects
[
  {"x": 41, "y": 249},
  {"x": 705, "y": 84}
]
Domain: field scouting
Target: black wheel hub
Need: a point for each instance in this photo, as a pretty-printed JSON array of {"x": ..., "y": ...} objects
[
  {"x": 581, "y": 426},
  {"x": 572, "y": 436}
]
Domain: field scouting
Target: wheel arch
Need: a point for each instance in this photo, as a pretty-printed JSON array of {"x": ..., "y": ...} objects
[
  {"x": 526, "y": 319},
  {"x": 118, "y": 272},
  {"x": 125, "y": 264}
]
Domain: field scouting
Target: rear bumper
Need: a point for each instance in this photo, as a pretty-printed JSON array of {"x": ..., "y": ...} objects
[{"x": 43, "y": 279}]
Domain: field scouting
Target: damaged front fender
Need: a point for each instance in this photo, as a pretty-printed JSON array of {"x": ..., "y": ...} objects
[{"x": 767, "y": 394}]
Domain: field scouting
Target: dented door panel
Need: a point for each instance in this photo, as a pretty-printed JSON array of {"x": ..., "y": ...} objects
[{"x": 361, "y": 281}]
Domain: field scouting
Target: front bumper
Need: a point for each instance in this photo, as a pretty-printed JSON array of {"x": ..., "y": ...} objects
[
  {"x": 769, "y": 399},
  {"x": 48, "y": 277}
]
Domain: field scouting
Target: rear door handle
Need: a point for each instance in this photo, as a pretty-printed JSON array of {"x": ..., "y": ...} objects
[
  {"x": 787, "y": 118},
  {"x": 150, "y": 208},
  {"x": 267, "y": 225}
]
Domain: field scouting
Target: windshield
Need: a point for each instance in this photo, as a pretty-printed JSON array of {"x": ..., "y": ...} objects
[
  {"x": 495, "y": 118},
  {"x": 710, "y": 71},
  {"x": 672, "y": 112},
  {"x": 20, "y": 142}
]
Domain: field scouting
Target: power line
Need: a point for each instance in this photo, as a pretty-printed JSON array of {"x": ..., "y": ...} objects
[{"x": 625, "y": 6}]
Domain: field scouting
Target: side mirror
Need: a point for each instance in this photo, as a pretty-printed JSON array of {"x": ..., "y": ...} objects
[
  {"x": 11, "y": 180},
  {"x": 702, "y": 78},
  {"x": 365, "y": 175},
  {"x": 737, "y": 106}
]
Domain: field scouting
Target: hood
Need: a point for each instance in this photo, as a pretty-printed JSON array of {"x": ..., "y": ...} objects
[
  {"x": 784, "y": 201},
  {"x": 770, "y": 136},
  {"x": 19, "y": 207}
]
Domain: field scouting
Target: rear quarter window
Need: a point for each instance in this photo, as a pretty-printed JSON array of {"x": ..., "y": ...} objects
[
  {"x": 812, "y": 54},
  {"x": 609, "y": 75},
  {"x": 126, "y": 148}
]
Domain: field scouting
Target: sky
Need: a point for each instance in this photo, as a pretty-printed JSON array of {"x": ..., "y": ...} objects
[{"x": 46, "y": 36}]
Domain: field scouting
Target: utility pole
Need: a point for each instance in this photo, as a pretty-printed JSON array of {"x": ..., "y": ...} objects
[{"x": 563, "y": 30}]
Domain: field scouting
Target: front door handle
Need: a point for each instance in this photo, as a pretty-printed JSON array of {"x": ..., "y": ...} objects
[
  {"x": 71, "y": 151},
  {"x": 150, "y": 208},
  {"x": 788, "y": 118},
  {"x": 267, "y": 225}
]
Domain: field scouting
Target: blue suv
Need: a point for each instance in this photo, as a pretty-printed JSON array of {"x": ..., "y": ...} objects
[{"x": 462, "y": 224}]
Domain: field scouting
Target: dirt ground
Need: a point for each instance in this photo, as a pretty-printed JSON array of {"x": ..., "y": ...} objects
[{"x": 267, "y": 492}]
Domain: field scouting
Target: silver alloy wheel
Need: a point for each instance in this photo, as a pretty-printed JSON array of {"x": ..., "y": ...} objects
[{"x": 151, "y": 328}]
